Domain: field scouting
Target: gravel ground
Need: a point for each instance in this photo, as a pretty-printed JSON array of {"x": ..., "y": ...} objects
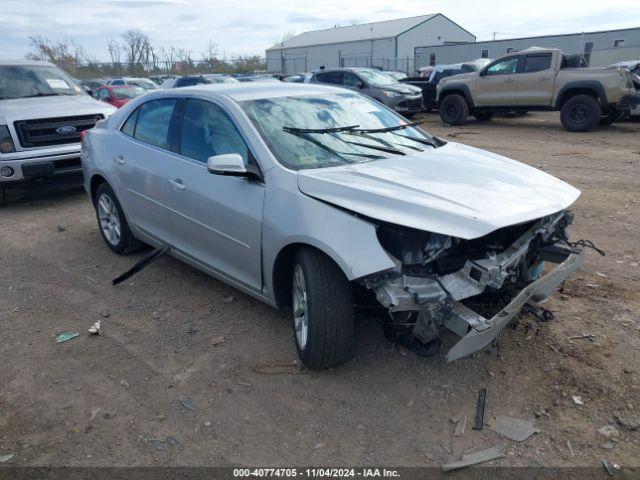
[{"x": 192, "y": 372}]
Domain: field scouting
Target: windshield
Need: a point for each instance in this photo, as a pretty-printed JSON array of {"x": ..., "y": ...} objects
[
  {"x": 123, "y": 93},
  {"x": 277, "y": 120},
  {"x": 22, "y": 81},
  {"x": 377, "y": 79}
]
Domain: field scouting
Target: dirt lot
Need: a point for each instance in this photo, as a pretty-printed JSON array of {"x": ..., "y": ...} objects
[{"x": 172, "y": 333}]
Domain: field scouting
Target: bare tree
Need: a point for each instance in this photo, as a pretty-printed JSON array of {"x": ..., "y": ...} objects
[
  {"x": 66, "y": 53},
  {"x": 137, "y": 49}
]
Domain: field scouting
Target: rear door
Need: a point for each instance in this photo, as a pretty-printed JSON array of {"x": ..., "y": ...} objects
[
  {"x": 140, "y": 155},
  {"x": 535, "y": 79},
  {"x": 217, "y": 220},
  {"x": 497, "y": 84}
]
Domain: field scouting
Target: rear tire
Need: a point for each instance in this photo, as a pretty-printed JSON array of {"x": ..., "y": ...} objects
[
  {"x": 112, "y": 222},
  {"x": 483, "y": 116},
  {"x": 611, "y": 116},
  {"x": 580, "y": 113},
  {"x": 454, "y": 110},
  {"x": 323, "y": 311}
]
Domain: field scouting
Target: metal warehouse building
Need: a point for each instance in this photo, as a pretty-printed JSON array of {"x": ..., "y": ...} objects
[
  {"x": 600, "y": 49},
  {"x": 388, "y": 45}
]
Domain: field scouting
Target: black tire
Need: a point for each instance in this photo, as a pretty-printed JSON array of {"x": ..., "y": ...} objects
[
  {"x": 3, "y": 197},
  {"x": 483, "y": 116},
  {"x": 611, "y": 116},
  {"x": 329, "y": 309},
  {"x": 454, "y": 109},
  {"x": 580, "y": 113},
  {"x": 126, "y": 241}
]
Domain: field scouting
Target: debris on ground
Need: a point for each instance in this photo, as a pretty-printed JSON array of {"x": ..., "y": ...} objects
[
  {"x": 207, "y": 424},
  {"x": 608, "y": 445},
  {"x": 61, "y": 228},
  {"x": 187, "y": 403},
  {"x": 461, "y": 426},
  {"x": 533, "y": 469},
  {"x": 228, "y": 299},
  {"x": 125, "y": 384},
  {"x": 586, "y": 336},
  {"x": 66, "y": 336},
  {"x": 513, "y": 428},
  {"x": 171, "y": 440},
  {"x": 482, "y": 398},
  {"x": 95, "y": 412},
  {"x": 570, "y": 447},
  {"x": 627, "y": 423},
  {"x": 6, "y": 458},
  {"x": 474, "y": 458},
  {"x": 607, "y": 467},
  {"x": 96, "y": 328},
  {"x": 577, "y": 400},
  {"x": 608, "y": 431},
  {"x": 217, "y": 340}
]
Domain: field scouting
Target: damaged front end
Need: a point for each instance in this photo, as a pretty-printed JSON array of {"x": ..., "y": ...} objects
[{"x": 442, "y": 279}]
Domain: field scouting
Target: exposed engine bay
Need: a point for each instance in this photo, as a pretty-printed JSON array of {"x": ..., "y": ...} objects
[{"x": 437, "y": 277}]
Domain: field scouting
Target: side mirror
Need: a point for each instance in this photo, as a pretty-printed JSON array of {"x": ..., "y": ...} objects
[
  {"x": 359, "y": 85},
  {"x": 227, "y": 164}
]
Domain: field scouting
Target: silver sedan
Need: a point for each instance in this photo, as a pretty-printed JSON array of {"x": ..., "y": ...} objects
[{"x": 314, "y": 198}]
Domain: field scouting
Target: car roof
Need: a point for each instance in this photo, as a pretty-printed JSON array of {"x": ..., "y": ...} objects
[
  {"x": 240, "y": 92},
  {"x": 22, "y": 61}
]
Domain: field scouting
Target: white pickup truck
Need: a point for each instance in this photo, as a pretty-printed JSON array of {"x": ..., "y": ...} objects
[{"x": 42, "y": 114}]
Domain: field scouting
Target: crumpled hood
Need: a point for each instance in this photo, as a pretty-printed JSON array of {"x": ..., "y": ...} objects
[
  {"x": 455, "y": 190},
  {"x": 45, "y": 107}
]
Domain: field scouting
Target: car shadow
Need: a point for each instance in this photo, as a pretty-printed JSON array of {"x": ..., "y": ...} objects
[{"x": 44, "y": 193}]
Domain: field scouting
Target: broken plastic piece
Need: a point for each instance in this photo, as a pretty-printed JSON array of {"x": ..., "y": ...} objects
[
  {"x": 66, "y": 336},
  {"x": 482, "y": 398},
  {"x": 95, "y": 328},
  {"x": 513, "y": 428},
  {"x": 469, "y": 459},
  {"x": 607, "y": 467},
  {"x": 152, "y": 256}
]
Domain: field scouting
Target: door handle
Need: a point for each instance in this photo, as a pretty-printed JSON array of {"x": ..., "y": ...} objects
[
  {"x": 119, "y": 159},
  {"x": 509, "y": 80},
  {"x": 177, "y": 184},
  {"x": 544, "y": 79}
]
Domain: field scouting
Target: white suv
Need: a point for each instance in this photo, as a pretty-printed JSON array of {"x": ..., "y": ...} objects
[{"x": 42, "y": 114}]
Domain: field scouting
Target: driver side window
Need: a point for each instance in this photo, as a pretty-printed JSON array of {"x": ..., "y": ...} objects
[
  {"x": 504, "y": 67},
  {"x": 350, "y": 80},
  {"x": 207, "y": 131}
]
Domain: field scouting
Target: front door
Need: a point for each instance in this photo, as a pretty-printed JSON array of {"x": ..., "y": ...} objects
[
  {"x": 216, "y": 219},
  {"x": 497, "y": 84},
  {"x": 141, "y": 161},
  {"x": 535, "y": 80}
]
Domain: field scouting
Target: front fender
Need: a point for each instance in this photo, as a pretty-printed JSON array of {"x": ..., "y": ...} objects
[{"x": 290, "y": 217}]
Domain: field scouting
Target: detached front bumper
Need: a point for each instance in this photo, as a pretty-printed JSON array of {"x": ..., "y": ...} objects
[{"x": 482, "y": 331}]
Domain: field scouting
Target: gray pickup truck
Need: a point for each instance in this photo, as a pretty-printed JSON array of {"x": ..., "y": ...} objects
[
  {"x": 538, "y": 79},
  {"x": 42, "y": 115}
]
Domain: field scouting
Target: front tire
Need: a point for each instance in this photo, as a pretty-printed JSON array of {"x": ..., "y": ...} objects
[
  {"x": 112, "y": 222},
  {"x": 323, "y": 312},
  {"x": 580, "y": 113},
  {"x": 454, "y": 110}
]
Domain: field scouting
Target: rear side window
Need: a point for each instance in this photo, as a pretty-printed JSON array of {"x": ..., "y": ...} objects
[
  {"x": 153, "y": 122},
  {"x": 334, "y": 78},
  {"x": 207, "y": 131},
  {"x": 537, "y": 63},
  {"x": 130, "y": 125}
]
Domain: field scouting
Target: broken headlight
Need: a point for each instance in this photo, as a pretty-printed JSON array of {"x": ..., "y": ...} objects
[{"x": 410, "y": 246}]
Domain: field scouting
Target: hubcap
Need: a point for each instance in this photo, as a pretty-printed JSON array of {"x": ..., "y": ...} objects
[
  {"x": 579, "y": 114},
  {"x": 109, "y": 219},
  {"x": 300, "y": 312}
]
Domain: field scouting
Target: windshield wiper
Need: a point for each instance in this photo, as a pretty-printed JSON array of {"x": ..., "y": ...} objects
[
  {"x": 388, "y": 129},
  {"x": 305, "y": 135},
  {"x": 374, "y": 147},
  {"x": 320, "y": 130},
  {"x": 385, "y": 142}
]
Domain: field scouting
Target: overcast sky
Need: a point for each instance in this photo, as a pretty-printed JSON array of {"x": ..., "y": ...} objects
[{"x": 250, "y": 26}]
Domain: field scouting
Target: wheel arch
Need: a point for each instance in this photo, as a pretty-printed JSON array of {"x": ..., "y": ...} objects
[
  {"x": 456, "y": 88},
  {"x": 283, "y": 269},
  {"x": 571, "y": 89},
  {"x": 96, "y": 181}
]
